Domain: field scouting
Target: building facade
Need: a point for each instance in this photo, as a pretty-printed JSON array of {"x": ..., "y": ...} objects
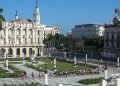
[
  {"x": 87, "y": 31},
  {"x": 112, "y": 37},
  {"x": 50, "y": 30},
  {"x": 23, "y": 36}
]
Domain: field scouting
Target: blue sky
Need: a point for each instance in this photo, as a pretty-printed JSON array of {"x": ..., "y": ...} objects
[{"x": 63, "y": 13}]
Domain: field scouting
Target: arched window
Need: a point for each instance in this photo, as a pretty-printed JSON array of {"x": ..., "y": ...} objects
[
  {"x": 18, "y": 32},
  {"x": 18, "y": 51},
  {"x": 10, "y": 51},
  {"x": 24, "y": 32},
  {"x": 10, "y": 32},
  {"x": 30, "y": 51},
  {"x": 107, "y": 35},
  {"x": 30, "y": 32},
  {"x": 112, "y": 35},
  {"x": 118, "y": 35},
  {"x": 24, "y": 51}
]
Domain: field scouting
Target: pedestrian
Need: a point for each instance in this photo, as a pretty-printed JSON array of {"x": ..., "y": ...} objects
[
  {"x": 39, "y": 75},
  {"x": 32, "y": 75},
  {"x": 25, "y": 74}
]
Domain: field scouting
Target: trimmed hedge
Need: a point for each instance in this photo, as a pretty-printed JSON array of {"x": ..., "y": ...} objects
[
  {"x": 17, "y": 72},
  {"x": 91, "y": 81},
  {"x": 26, "y": 84}
]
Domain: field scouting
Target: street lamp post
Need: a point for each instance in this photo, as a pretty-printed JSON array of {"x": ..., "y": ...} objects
[
  {"x": 46, "y": 76},
  {"x": 6, "y": 55}
]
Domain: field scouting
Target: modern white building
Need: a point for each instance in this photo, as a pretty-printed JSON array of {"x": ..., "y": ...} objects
[
  {"x": 112, "y": 37},
  {"x": 87, "y": 31},
  {"x": 24, "y": 36}
]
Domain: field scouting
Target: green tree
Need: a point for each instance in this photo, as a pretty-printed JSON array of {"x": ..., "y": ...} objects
[{"x": 1, "y": 18}]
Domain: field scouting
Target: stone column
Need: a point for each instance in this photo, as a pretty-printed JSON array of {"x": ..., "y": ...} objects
[
  {"x": 49, "y": 55},
  {"x": 54, "y": 64},
  {"x": 15, "y": 36},
  {"x": 105, "y": 72},
  {"x": 27, "y": 37},
  {"x": 23, "y": 59},
  {"x": 65, "y": 54},
  {"x": 117, "y": 82},
  {"x": 118, "y": 60},
  {"x": 6, "y": 36},
  {"x": 41, "y": 52},
  {"x": 21, "y": 52},
  {"x": 27, "y": 52},
  {"x": 103, "y": 83},
  {"x": 14, "y": 52},
  {"x": 21, "y": 35},
  {"x": 75, "y": 61},
  {"x": 86, "y": 59},
  {"x": 6, "y": 56},
  {"x": 33, "y": 36}
]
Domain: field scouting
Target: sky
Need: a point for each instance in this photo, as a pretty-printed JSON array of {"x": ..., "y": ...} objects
[{"x": 64, "y": 14}]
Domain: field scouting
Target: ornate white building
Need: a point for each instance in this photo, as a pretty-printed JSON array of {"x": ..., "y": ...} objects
[
  {"x": 23, "y": 36},
  {"x": 112, "y": 37}
]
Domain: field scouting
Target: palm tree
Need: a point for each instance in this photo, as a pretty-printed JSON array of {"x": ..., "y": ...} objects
[{"x": 1, "y": 18}]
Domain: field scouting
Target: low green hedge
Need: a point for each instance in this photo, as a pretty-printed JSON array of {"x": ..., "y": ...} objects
[
  {"x": 16, "y": 72},
  {"x": 26, "y": 84},
  {"x": 91, "y": 81}
]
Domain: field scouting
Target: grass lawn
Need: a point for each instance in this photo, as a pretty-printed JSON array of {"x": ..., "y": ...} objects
[{"x": 60, "y": 66}]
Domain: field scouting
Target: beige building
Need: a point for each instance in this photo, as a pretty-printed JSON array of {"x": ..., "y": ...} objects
[
  {"x": 49, "y": 30},
  {"x": 23, "y": 36},
  {"x": 112, "y": 37}
]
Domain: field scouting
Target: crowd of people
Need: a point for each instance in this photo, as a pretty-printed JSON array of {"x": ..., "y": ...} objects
[{"x": 65, "y": 73}]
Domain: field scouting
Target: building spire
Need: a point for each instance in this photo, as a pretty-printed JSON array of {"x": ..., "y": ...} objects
[
  {"x": 36, "y": 16},
  {"x": 16, "y": 15},
  {"x": 36, "y": 3}
]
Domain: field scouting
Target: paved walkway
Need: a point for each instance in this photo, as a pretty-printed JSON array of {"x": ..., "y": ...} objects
[{"x": 53, "y": 81}]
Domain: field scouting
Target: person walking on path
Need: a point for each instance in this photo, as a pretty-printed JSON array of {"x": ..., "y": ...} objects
[{"x": 32, "y": 75}]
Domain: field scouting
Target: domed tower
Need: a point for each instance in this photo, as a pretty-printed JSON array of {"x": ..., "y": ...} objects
[
  {"x": 36, "y": 16},
  {"x": 116, "y": 19}
]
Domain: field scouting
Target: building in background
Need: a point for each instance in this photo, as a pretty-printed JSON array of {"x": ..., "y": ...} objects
[
  {"x": 112, "y": 37},
  {"x": 24, "y": 36},
  {"x": 88, "y": 31},
  {"x": 50, "y": 30},
  {"x": 69, "y": 34}
]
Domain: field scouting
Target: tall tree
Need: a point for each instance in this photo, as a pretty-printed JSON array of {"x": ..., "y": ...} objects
[{"x": 1, "y": 18}]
